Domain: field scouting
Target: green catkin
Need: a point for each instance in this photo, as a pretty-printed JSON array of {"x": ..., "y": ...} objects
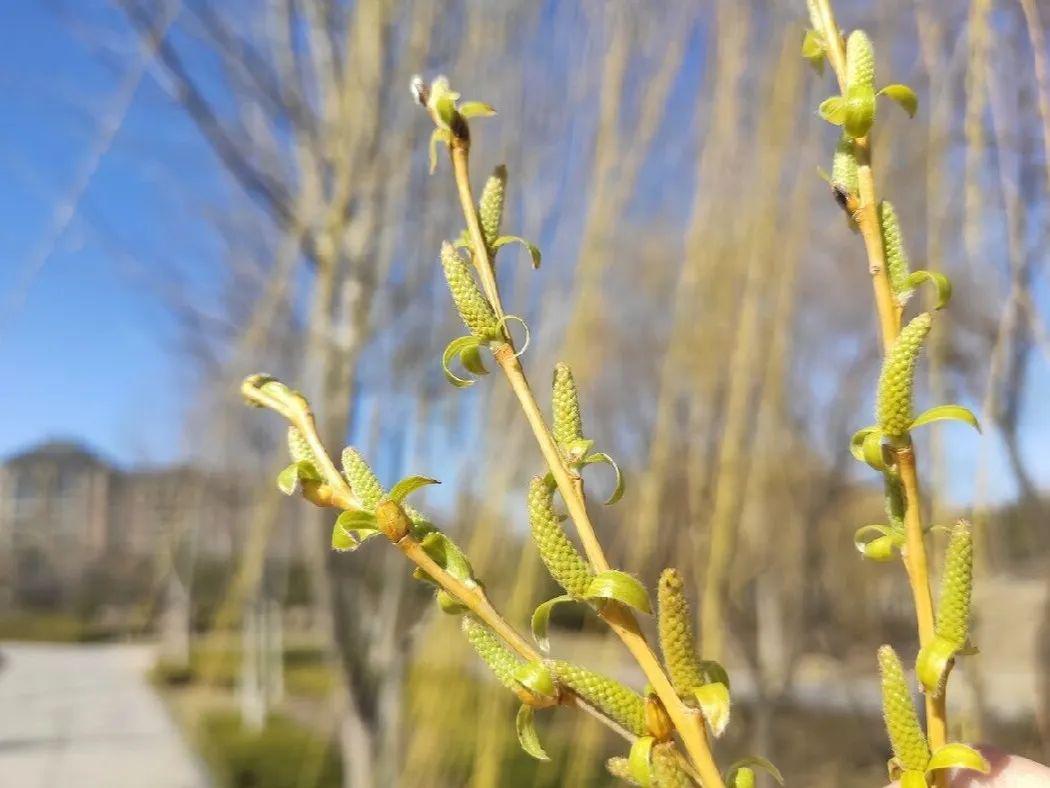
[
  {"x": 860, "y": 60},
  {"x": 898, "y": 710},
  {"x": 621, "y": 703},
  {"x": 953, "y": 608},
  {"x": 620, "y": 769},
  {"x": 744, "y": 778},
  {"x": 560, "y": 556},
  {"x": 667, "y": 771},
  {"x": 676, "y": 634},
  {"x": 363, "y": 482},
  {"x": 893, "y": 407},
  {"x": 298, "y": 449},
  {"x": 897, "y": 265},
  {"x": 490, "y": 206},
  {"x": 568, "y": 424},
  {"x": 473, "y": 307},
  {"x": 493, "y": 652},
  {"x": 844, "y": 166}
]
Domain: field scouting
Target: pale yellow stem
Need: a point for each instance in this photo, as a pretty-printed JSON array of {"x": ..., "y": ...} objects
[
  {"x": 687, "y": 721},
  {"x": 889, "y": 313}
]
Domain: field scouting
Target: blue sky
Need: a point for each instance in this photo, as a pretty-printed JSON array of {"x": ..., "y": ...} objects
[
  {"x": 89, "y": 351},
  {"x": 86, "y": 350}
]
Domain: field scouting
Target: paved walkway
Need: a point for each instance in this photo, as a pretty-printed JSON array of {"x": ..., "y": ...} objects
[{"x": 84, "y": 716}]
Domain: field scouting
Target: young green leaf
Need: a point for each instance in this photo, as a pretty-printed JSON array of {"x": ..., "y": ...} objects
[
  {"x": 880, "y": 547},
  {"x": 942, "y": 283},
  {"x": 621, "y": 587},
  {"x": 618, "y": 487},
  {"x": 408, "y": 485},
  {"x": 833, "y": 110},
  {"x": 958, "y": 756},
  {"x": 527, "y": 736},
  {"x": 448, "y": 556},
  {"x": 449, "y": 604},
  {"x": 457, "y": 348},
  {"x": 814, "y": 50},
  {"x": 714, "y": 702},
  {"x": 946, "y": 413},
  {"x": 904, "y": 96},
  {"x": 755, "y": 761},
  {"x": 288, "y": 479},
  {"x": 541, "y": 617},
  {"x": 537, "y": 679},
  {"x": 640, "y": 760},
  {"x": 436, "y": 136},
  {"x": 476, "y": 109},
  {"x": 533, "y": 250}
]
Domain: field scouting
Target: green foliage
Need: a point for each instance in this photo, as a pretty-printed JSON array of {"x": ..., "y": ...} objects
[{"x": 274, "y": 757}]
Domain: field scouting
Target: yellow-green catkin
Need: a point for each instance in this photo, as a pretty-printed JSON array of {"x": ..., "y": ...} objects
[
  {"x": 568, "y": 423},
  {"x": 744, "y": 778},
  {"x": 860, "y": 61},
  {"x": 473, "y": 307},
  {"x": 844, "y": 167},
  {"x": 616, "y": 701},
  {"x": 953, "y": 608},
  {"x": 898, "y": 710},
  {"x": 893, "y": 407},
  {"x": 620, "y": 769},
  {"x": 298, "y": 449},
  {"x": 676, "y": 634},
  {"x": 897, "y": 265},
  {"x": 363, "y": 482},
  {"x": 490, "y": 206},
  {"x": 667, "y": 771},
  {"x": 560, "y": 556},
  {"x": 493, "y": 652}
]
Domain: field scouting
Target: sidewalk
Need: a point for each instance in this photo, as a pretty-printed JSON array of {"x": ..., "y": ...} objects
[{"x": 84, "y": 716}]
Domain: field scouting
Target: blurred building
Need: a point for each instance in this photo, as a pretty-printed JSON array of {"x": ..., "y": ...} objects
[{"x": 64, "y": 511}]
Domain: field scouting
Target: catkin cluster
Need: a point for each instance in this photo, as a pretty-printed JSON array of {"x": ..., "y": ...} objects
[
  {"x": 667, "y": 771},
  {"x": 559, "y": 555},
  {"x": 492, "y": 651},
  {"x": 860, "y": 61},
  {"x": 620, "y": 769},
  {"x": 490, "y": 206},
  {"x": 676, "y": 634},
  {"x": 363, "y": 482},
  {"x": 898, "y": 709},
  {"x": 897, "y": 265},
  {"x": 298, "y": 448},
  {"x": 893, "y": 408},
  {"x": 616, "y": 701},
  {"x": 473, "y": 307},
  {"x": 568, "y": 423},
  {"x": 844, "y": 166},
  {"x": 953, "y": 609}
]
